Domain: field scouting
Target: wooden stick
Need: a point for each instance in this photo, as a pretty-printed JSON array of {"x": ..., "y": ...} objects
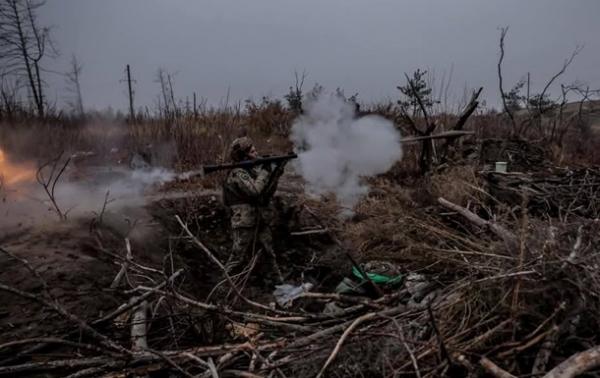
[
  {"x": 136, "y": 300},
  {"x": 496, "y": 229},
  {"x": 343, "y": 298},
  {"x": 494, "y": 369},
  {"x": 51, "y": 340},
  {"x": 139, "y": 327},
  {"x": 379, "y": 292},
  {"x": 310, "y": 232},
  {"x": 345, "y": 335},
  {"x": 124, "y": 266},
  {"x": 59, "y": 309},
  {"x": 222, "y": 267},
  {"x": 576, "y": 364},
  {"x": 444, "y": 135}
]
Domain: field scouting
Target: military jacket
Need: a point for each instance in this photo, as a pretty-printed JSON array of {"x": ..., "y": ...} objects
[{"x": 242, "y": 191}]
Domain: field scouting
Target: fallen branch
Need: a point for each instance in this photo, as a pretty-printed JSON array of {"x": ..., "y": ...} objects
[
  {"x": 59, "y": 309},
  {"x": 343, "y": 298},
  {"x": 576, "y": 364},
  {"x": 139, "y": 327},
  {"x": 224, "y": 270},
  {"x": 310, "y": 232},
  {"x": 494, "y": 369},
  {"x": 496, "y": 229},
  {"x": 136, "y": 300},
  {"x": 340, "y": 342},
  {"x": 52, "y": 340}
]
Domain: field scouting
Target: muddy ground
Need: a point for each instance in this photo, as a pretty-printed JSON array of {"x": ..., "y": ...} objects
[{"x": 78, "y": 259}]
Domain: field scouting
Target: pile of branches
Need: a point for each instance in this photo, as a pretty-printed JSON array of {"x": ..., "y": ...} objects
[
  {"x": 520, "y": 155},
  {"x": 563, "y": 193},
  {"x": 523, "y": 303}
]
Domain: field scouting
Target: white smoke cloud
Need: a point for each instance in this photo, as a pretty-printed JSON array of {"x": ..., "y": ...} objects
[{"x": 335, "y": 149}]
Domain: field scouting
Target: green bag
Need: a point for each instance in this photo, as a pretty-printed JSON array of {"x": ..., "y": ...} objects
[{"x": 375, "y": 271}]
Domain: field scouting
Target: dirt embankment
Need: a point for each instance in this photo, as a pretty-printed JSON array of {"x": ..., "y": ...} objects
[{"x": 79, "y": 258}]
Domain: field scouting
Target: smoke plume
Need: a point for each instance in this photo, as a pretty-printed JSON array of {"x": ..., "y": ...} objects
[
  {"x": 113, "y": 188},
  {"x": 335, "y": 149}
]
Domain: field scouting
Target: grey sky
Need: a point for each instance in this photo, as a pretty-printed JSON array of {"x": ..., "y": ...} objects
[{"x": 361, "y": 46}]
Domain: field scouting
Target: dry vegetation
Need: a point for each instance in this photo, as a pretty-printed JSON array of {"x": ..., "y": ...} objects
[{"x": 508, "y": 263}]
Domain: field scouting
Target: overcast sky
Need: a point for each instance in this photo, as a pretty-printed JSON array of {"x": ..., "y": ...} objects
[{"x": 254, "y": 46}]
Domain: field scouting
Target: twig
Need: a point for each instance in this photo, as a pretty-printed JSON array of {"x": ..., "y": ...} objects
[
  {"x": 529, "y": 344},
  {"x": 52, "y": 340},
  {"x": 257, "y": 318},
  {"x": 445, "y": 353},
  {"x": 345, "y": 335},
  {"x": 494, "y": 370},
  {"x": 310, "y": 232},
  {"x": 136, "y": 300},
  {"x": 224, "y": 270},
  {"x": 95, "y": 371},
  {"x": 31, "y": 270},
  {"x": 406, "y": 346},
  {"x": 56, "y": 307},
  {"x": 124, "y": 265},
  {"x": 498, "y": 230},
  {"x": 170, "y": 362},
  {"x": 212, "y": 367},
  {"x": 379, "y": 292},
  {"x": 51, "y": 192},
  {"x": 343, "y": 298},
  {"x": 242, "y": 374}
]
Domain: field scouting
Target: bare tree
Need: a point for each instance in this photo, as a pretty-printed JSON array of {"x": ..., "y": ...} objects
[
  {"x": 24, "y": 44},
  {"x": 164, "y": 78},
  {"x": 507, "y": 109},
  {"x": 73, "y": 86},
  {"x": 295, "y": 97},
  {"x": 9, "y": 99}
]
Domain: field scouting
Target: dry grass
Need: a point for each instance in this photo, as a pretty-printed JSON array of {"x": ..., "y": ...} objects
[{"x": 486, "y": 310}]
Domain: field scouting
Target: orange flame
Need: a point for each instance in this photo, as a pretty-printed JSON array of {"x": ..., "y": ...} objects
[{"x": 13, "y": 174}]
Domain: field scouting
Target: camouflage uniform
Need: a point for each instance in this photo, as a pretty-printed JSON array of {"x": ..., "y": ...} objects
[{"x": 251, "y": 220}]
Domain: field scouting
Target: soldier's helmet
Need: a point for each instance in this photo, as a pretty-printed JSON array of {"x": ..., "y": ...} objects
[{"x": 240, "y": 148}]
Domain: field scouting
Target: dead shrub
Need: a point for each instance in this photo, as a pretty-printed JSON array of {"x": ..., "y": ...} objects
[{"x": 457, "y": 184}]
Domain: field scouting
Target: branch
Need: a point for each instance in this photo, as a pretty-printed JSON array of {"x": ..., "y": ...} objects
[
  {"x": 466, "y": 113},
  {"x": 576, "y": 364},
  {"x": 56, "y": 307},
  {"x": 506, "y": 109},
  {"x": 124, "y": 266},
  {"x": 496, "y": 229},
  {"x": 345, "y": 335},
  {"x": 494, "y": 370},
  {"x": 139, "y": 327},
  {"x": 136, "y": 300},
  {"x": 562, "y": 70},
  {"x": 224, "y": 270}
]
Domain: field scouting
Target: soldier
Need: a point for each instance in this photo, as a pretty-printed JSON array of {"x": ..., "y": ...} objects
[{"x": 246, "y": 194}]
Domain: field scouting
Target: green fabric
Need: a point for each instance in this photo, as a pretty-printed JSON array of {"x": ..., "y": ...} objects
[
  {"x": 349, "y": 287},
  {"x": 377, "y": 278}
]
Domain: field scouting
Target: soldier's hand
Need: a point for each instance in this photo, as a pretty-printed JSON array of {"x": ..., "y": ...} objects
[
  {"x": 280, "y": 168},
  {"x": 267, "y": 167}
]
